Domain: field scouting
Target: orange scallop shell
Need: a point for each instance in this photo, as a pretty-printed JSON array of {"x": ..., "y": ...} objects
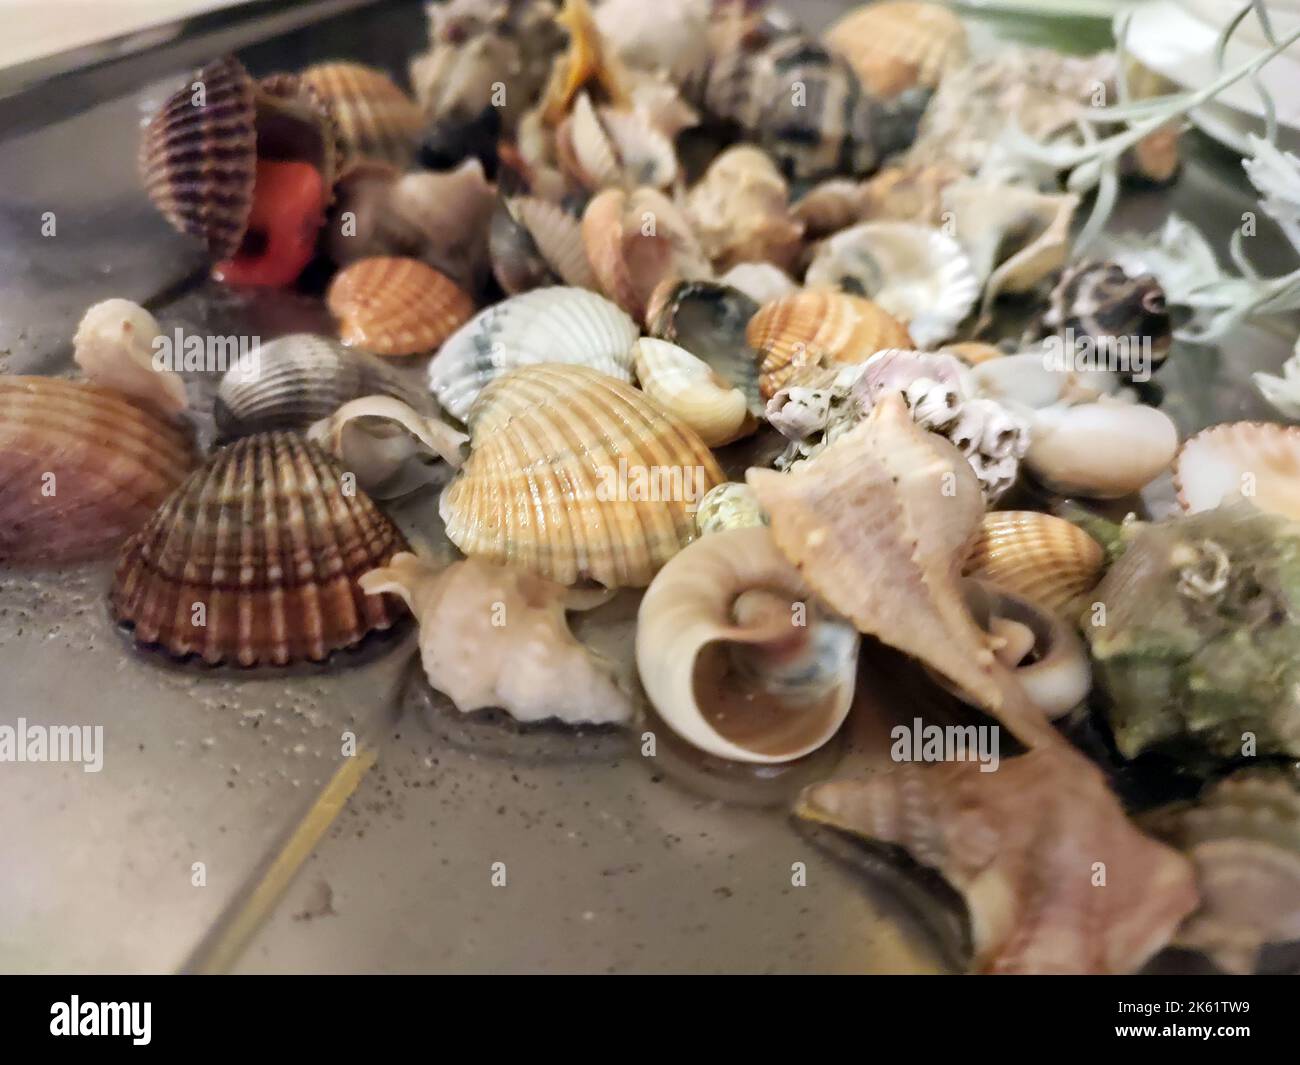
[
  {"x": 394, "y": 306},
  {"x": 255, "y": 559},
  {"x": 806, "y": 331},
  {"x": 81, "y": 468},
  {"x": 376, "y": 119}
]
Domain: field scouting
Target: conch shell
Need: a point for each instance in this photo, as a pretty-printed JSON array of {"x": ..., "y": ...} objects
[
  {"x": 686, "y": 387},
  {"x": 114, "y": 347},
  {"x": 493, "y": 636},
  {"x": 736, "y": 658}
]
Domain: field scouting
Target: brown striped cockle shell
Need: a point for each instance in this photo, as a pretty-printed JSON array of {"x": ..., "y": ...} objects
[
  {"x": 814, "y": 329},
  {"x": 254, "y": 560},
  {"x": 376, "y": 119},
  {"x": 1258, "y": 461},
  {"x": 81, "y": 468},
  {"x": 689, "y": 388},
  {"x": 897, "y": 44},
  {"x": 1046, "y": 559},
  {"x": 394, "y": 306},
  {"x": 576, "y": 476}
]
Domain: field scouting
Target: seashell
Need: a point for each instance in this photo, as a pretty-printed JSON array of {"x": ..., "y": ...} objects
[
  {"x": 635, "y": 241},
  {"x": 553, "y": 325},
  {"x": 376, "y": 119},
  {"x": 607, "y": 147},
  {"x": 1008, "y": 840},
  {"x": 587, "y": 67},
  {"x": 1257, "y": 461},
  {"x": 709, "y": 319},
  {"x": 575, "y": 475},
  {"x": 535, "y": 243},
  {"x": 908, "y": 193},
  {"x": 114, "y": 346},
  {"x": 300, "y": 379},
  {"x": 740, "y": 211},
  {"x": 394, "y": 306},
  {"x": 761, "y": 282},
  {"x": 81, "y": 468},
  {"x": 918, "y": 274},
  {"x": 1102, "y": 450},
  {"x": 439, "y": 218},
  {"x": 898, "y": 44},
  {"x": 1101, "y": 301},
  {"x": 724, "y": 662},
  {"x": 688, "y": 388},
  {"x": 247, "y": 169},
  {"x": 265, "y": 539},
  {"x": 1243, "y": 837},
  {"x": 671, "y": 37},
  {"x": 728, "y": 506},
  {"x": 391, "y": 447},
  {"x": 973, "y": 352},
  {"x": 1036, "y": 379},
  {"x": 813, "y": 329},
  {"x": 829, "y": 206},
  {"x": 533, "y": 667},
  {"x": 1045, "y": 559}
]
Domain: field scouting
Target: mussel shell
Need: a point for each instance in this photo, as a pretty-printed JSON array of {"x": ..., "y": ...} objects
[
  {"x": 395, "y": 306},
  {"x": 269, "y": 540}
]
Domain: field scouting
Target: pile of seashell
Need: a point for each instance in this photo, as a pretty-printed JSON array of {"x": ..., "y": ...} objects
[{"x": 610, "y": 327}]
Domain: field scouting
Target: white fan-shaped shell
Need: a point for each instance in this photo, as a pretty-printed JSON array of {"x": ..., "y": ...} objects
[
  {"x": 1254, "y": 460},
  {"x": 558, "y": 324}
]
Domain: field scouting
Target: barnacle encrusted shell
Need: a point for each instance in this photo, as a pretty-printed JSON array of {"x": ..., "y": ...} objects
[
  {"x": 1256, "y": 461},
  {"x": 255, "y": 559},
  {"x": 740, "y": 210},
  {"x": 736, "y": 657},
  {"x": 575, "y": 475},
  {"x": 376, "y": 119},
  {"x": 1044, "y": 558},
  {"x": 552, "y": 325},
  {"x": 495, "y": 636},
  {"x": 814, "y": 329},
  {"x": 114, "y": 346},
  {"x": 900, "y": 43},
  {"x": 81, "y": 468},
  {"x": 688, "y": 388},
  {"x": 728, "y": 506},
  {"x": 1101, "y": 450},
  {"x": 300, "y": 379},
  {"x": 916, "y": 273},
  {"x": 1194, "y": 637},
  {"x": 1024, "y": 845},
  {"x": 395, "y": 306},
  {"x": 1243, "y": 837}
]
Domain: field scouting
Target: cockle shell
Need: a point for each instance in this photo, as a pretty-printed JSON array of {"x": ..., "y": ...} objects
[
  {"x": 636, "y": 240},
  {"x": 1257, "y": 461},
  {"x": 688, "y": 388},
  {"x": 610, "y": 147},
  {"x": 1046, "y": 559},
  {"x": 114, "y": 346},
  {"x": 300, "y": 379},
  {"x": 740, "y": 211},
  {"x": 575, "y": 475},
  {"x": 1102, "y": 450},
  {"x": 814, "y": 329},
  {"x": 81, "y": 467},
  {"x": 916, "y": 273},
  {"x": 255, "y": 559},
  {"x": 394, "y": 306},
  {"x": 493, "y": 636},
  {"x": 736, "y": 657},
  {"x": 376, "y": 119},
  {"x": 1023, "y": 846},
  {"x": 897, "y": 44},
  {"x": 535, "y": 243},
  {"x": 554, "y": 325}
]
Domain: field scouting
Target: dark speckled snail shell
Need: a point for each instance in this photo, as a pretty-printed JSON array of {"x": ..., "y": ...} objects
[{"x": 1098, "y": 299}]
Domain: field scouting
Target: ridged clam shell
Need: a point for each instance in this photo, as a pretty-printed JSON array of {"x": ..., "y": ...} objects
[
  {"x": 687, "y": 387},
  {"x": 534, "y": 242},
  {"x": 561, "y": 460},
  {"x": 1256, "y": 460},
  {"x": 918, "y": 274},
  {"x": 607, "y": 147},
  {"x": 1043, "y": 558},
  {"x": 270, "y": 541},
  {"x": 554, "y": 325},
  {"x": 813, "y": 329},
  {"x": 199, "y": 163},
  {"x": 302, "y": 378},
  {"x": 395, "y": 306},
  {"x": 376, "y": 119},
  {"x": 81, "y": 468},
  {"x": 895, "y": 45}
]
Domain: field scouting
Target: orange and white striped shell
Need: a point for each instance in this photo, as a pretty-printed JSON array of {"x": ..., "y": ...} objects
[
  {"x": 81, "y": 468},
  {"x": 576, "y": 476},
  {"x": 375, "y": 118},
  {"x": 1043, "y": 558},
  {"x": 809, "y": 330},
  {"x": 394, "y": 306},
  {"x": 897, "y": 44},
  {"x": 254, "y": 560}
]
